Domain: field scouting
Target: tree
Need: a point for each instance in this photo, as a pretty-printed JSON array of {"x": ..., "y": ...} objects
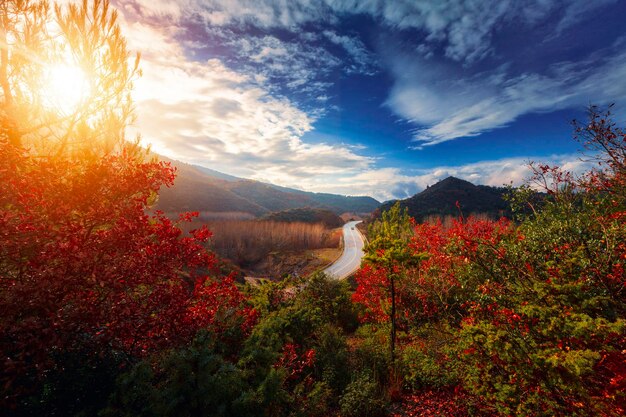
[
  {"x": 38, "y": 45},
  {"x": 89, "y": 282},
  {"x": 545, "y": 327},
  {"x": 388, "y": 256},
  {"x": 527, "y": 318}
]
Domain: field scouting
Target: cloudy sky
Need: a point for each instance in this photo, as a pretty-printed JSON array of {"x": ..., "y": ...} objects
[{"x": 373, "y": 97}]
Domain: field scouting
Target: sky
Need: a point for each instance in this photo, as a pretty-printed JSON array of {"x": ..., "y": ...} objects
[{"x": 373, "y": 97}]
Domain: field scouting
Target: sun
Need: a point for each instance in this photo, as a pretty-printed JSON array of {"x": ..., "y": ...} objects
[{"x": 65, "y": 88}]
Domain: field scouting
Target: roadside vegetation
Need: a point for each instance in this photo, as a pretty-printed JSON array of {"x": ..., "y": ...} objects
[{"x": 108, "y": 310}]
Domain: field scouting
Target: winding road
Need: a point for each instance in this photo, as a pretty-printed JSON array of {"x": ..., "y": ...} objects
[{"x": 350, "y": 259}]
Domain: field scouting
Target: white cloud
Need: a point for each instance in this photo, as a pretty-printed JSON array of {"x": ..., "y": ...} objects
[
  {"x": 296, "y": 65},
  {"x": 449, "y": 106},
  {"x": 206, "y": 113},
  {"x": 209, "y": 114},
  {"x": 364, "y": 61},
  {"x": 391, "y": 183}
]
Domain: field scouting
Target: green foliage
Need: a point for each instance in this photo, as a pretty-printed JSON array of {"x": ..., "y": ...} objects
[
  {"x": 271, "y": 394},
  {"x": 431, "y": 362},
  {"x": 193, "y": 381},
  {"x": 300, "y": 316},
  {"x": 319, "y": 400},
  {"x": 332, "y": 358},
  {"x": 524, "y": 201},
  {"x": 389, "y": 239},
  {"x": 332, "y": 299},
  {"x": 362, "y": 398},
  {"x": 372, "y": 353}
]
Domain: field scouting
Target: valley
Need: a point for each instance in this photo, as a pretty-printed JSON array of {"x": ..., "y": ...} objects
[{"x": 266, "y": 231}]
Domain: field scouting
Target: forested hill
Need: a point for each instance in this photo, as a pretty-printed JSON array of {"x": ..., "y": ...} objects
[
  {"x": 441, "y": 200},
  {"x": 306, "y": 215},
  {"x": 204, "y": 190}
]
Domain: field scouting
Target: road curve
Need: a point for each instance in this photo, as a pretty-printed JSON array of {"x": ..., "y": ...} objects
[{"x": 350, "y": 259}]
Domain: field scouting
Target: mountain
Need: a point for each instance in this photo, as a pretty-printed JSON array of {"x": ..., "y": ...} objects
[
  {"x": 216, "y": 174},
  {"x": 194, "y": 190},
  {"x": 268, "y": 196},
  {"x": 339, "y": 203},
  {"x": 205, "y": 190},
  {"x": 441, "y": 198}
]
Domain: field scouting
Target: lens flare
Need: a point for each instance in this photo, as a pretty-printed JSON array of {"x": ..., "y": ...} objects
[{"x": 66, "y": 87}]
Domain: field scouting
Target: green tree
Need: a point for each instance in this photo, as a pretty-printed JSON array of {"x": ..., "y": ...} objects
[
  {"x": 390, "y": 251},
  {"x": 545, "y": 333}
]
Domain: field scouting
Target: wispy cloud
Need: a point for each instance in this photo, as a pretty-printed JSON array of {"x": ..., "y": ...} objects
[
  {"x": 463, "y": 28},
  {"x": 433, "y": 95},
  {"x": 292, "y": 65},
  {"x": 363, "y": 60},
  {"x": 576, "y": 10}
]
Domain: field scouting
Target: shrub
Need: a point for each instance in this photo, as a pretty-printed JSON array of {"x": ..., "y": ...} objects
[{"x": 362, "y": 398}]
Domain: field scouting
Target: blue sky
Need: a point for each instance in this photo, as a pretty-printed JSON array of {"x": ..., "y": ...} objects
[{"x": 373, "y": 97}]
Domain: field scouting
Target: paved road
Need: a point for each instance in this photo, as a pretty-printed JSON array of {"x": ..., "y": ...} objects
[{"x": 350, "y": 259}]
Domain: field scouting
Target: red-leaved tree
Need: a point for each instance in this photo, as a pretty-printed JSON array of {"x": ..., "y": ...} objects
[
  {"x": 85, "y": 271},
  {"x": 83, "y": 267}
]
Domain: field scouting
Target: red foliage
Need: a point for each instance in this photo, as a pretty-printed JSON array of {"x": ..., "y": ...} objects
[
  {"x": 82, "y": 266},
  {"x": 295, "y": 363},
  {"x": 423, "y": 292},
  {"x": 452, "y": 402},
  {"x": 611, "y": 377},
  {"x": 372, "y": 293}
]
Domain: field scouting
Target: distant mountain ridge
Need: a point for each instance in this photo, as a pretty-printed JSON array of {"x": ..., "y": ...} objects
[
  {"x": 202, "y": 189},
  {"x": 441, "y": 199}
]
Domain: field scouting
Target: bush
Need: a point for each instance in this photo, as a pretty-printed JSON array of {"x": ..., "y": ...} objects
[
  {"x": 425, "y": 369},
  {"x": 332, "y": 358},
  {"x": 331, "y": 298},
  {"x": 193, "y": 381},
  {"x": 362, "y": 398},
  {"x": 372, "y": 352}
]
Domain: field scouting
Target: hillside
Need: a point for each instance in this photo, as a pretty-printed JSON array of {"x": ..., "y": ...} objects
[
  {"x": 441, "y": 198},
  {"x": 196, "y": 191},
  {"x": 201, "y": 189},
  {"x": 306, "y": 215},
  {"x": 268, "y": 196},
  {"x": 341, "y": 204}
]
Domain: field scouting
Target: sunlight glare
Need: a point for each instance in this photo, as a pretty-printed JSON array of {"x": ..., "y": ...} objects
[{"x": 65, "y": 88}]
